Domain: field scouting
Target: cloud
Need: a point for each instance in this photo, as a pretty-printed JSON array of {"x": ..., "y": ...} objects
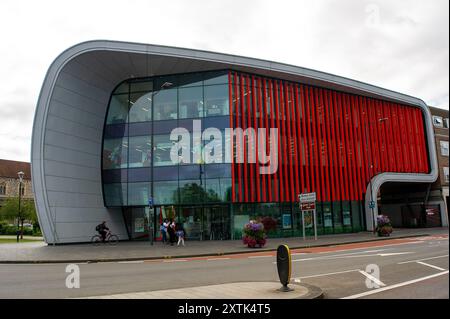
[{"x": 399, "y": 45}]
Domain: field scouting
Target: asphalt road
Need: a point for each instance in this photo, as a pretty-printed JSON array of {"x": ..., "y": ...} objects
[{"x": 414, "y": 268}]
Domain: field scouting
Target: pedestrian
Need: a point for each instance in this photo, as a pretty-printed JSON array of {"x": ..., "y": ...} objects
[
  {"x": 163, "y": 229},
  {"x": 180, "y": 234},
  {"x": 171, "y": 231}
]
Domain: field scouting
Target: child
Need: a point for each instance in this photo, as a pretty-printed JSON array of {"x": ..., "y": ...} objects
[{"x": 180, "y": 234}]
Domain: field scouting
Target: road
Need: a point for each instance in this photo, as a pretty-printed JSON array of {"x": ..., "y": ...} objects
[{"x": 408, "y": 268}]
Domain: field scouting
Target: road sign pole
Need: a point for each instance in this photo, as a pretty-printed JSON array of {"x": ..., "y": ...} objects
[
  {"x": 303, "y": 222},
  {"x": 315, "y": 225}
]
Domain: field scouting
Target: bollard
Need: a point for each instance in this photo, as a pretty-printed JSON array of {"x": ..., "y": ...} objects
[{"x": 284, "y": 265}]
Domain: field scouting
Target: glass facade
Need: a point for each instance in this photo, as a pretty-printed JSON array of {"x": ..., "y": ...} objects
[{"x": 138, "y": 160}]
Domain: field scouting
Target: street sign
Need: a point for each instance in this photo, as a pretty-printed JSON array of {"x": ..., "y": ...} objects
[
  {"x": 307, "y": 197},
  {"x": 150, "y": 201},
  {"x": 308, "y": 206}
]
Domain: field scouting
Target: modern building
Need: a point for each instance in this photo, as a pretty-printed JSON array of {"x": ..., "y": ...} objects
[
  {"x": 9, "y": 180},
  {"x": 119, "y": 125},
  {"x": 441, "y": 127}
]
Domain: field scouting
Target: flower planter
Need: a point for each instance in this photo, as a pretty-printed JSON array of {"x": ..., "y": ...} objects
[{"x": 254, "y": 235}]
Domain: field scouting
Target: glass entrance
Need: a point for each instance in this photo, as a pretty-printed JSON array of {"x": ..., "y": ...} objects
[{"x": 216, "y": 223}]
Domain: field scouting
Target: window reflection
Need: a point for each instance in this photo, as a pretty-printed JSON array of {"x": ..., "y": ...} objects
[
  {"x": 140, "y": 107},
  {"x": 191, "y": 102},
  {"x": 165, "y": 105},
  {"x": 163, "y": 144},
  {"x": 216, "y": 100},
  {"x": 140, "y": 153},
  {"x": 115, "y": 153},
  {"x": 118, "y": 109}
]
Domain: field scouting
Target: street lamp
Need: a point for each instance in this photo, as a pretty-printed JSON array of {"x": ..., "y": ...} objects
[
  {"x": 20, "y": 175},
  {"x": 372, "y": 203}
]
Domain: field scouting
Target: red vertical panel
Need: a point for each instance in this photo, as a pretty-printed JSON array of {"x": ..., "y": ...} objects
[
  {"x": 315, "y": 138},
  {"x": 403, "y": 133},
  {"x": 379, "y": 126},
  {"x": 319, "y": 149},
  {"x": 251, "y": 177},
  {"x": 391, "y": 138},
  {"x": 266, "y": 117},
  {"x": 354, "y": 141},
  {"x": 296, "y": 133},
  {"x": 257, "y": 196},
  {"x": 334, "y": 140},
  {"x": 409, "y": 142},
  {"x": 284, "y": 145},
  {"x": 244, "y": 190},
  {"x": 231, "y": 101},
  {"x": 337, "y": 120},
  {"x": 343, "y": 147},
  {"x": 423, "y": 143},
  {"x": 279, "y": 174},
  {"x": 417, "y": 154},
  {"x": 262, "y": 193},
  {"x": 273, "y": 117},
  {"x": 386, "y": 136},
  {"x": 376, "y": 149},
  {"x": 351, "y": 147},
  {"x": 412, "y": 142},
  {"x": 290, "y": 115},
  {"x": 395, "y": 130},
  {"x": 359, "y": 147},
  {"x": 326, "y": 145},
  {"x": 238, "y": 144},
  {"x": 348, "y": 167},
  {"x": 364, "y": 143},
  {"x": 329, "y": 146},
  {"x": 306, "y": 138}
]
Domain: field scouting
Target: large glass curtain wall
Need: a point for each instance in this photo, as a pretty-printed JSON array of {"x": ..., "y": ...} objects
[{"x": 136, "y": 149}]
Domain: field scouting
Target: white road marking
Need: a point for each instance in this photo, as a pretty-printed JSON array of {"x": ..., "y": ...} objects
[
  {"x": 328, "y": 274},
  {"x": 251, "y": 257},
  {"x": 416, "y": 260},
  {"x": 131, "y": 262},
  {"x": 174, "y": 260},
  {"x": 432, "y": 266},
  {"x": 297, "y": 280},
  {"x": 375, "y": 291},
  {"x": 353, "y": 255},
  {"x": 212, "y": 259},
  {"x": 372, "y": 278},
  {"x": 394, "y": 254}
]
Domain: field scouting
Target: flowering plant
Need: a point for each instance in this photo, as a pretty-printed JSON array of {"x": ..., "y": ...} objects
[
  {"x": 254, "y": 234},
  {"x": 384, "y": 226}
]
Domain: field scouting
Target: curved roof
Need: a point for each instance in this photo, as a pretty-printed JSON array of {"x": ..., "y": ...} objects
[{"x": 67, "y": 130}]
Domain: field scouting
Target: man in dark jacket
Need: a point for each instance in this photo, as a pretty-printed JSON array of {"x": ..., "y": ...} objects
[{"x": 101, "y": 228}]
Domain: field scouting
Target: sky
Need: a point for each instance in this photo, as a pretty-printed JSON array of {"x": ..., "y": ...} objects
[{"x": 400, "y": 45}]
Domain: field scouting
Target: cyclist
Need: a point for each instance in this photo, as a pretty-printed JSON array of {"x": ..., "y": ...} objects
[{"x": 101, "y": 228}]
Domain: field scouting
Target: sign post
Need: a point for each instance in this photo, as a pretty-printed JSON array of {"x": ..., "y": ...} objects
[
  {"x": 308, "y": 204},
  {"x": 151, "y": 232}
]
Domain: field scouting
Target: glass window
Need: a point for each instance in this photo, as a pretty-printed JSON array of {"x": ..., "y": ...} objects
[
  {"x": 115, "y": 153},
  {"x": 3, "y": 189},
  {"x": 446, "y": 176},
  {"x": 138, "y": 193},
  {"x": 190, "y": 102},
  {"x": 446, "y": 123},
  {"x": 216, "y": 100},
  {"x": 115, "y": 194},
  {"x": 142, "y": 86},
  {"x": 214, "y": 78},
  {"x": 191, "y": 191},
  {"x": 118, "y": 109},
  {"x": 444, "y": 148},
  {"x": 140, "y": 107},
  {"x": 140, "y": 151},
  {"x": 218, "y": 190},
  {"x": 165, "y": 192},
  {"x": 194, "y": 79},
  {"x": 438, "y": 121},
  {"x": 165, "y": 105},
  {"x": 162, "y": 148},
  {"x": 122, "y": 88}
]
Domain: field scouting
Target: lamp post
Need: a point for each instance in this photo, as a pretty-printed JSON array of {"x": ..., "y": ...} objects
[
  {"x": 372, "y": 204},
  {"x": 20, "y": 175}
]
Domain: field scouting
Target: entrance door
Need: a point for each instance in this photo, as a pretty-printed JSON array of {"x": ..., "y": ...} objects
[{"x": 216, "y": 223}]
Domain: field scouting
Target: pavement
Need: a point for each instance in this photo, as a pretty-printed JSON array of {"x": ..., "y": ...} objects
[
  {"x": 241, "y": 290},
  {"x": 40, "y": 252}
]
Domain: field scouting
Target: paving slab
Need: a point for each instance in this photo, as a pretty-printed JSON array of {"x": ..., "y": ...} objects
[{"x": 238, "y": 290}]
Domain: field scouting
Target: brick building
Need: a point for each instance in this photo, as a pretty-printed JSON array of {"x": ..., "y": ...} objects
[{"x": 9, "y": 181}]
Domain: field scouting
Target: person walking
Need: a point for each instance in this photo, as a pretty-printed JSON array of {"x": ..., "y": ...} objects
[
  {"x": 180, "y": 234},
  {"x": 171, "y": 231}
]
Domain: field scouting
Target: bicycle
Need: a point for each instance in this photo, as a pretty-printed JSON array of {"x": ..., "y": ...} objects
[{"x": 110, "y": 239}]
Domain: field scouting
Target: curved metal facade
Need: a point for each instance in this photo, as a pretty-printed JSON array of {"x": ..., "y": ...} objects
[{"x": 70, "y": 112}]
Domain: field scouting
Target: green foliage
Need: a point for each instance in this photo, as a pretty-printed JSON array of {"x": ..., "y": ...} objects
[{"x": 10, "y": 210}]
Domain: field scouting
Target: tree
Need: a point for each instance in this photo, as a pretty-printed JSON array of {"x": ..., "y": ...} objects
[{"x": 10, "y": 211}]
